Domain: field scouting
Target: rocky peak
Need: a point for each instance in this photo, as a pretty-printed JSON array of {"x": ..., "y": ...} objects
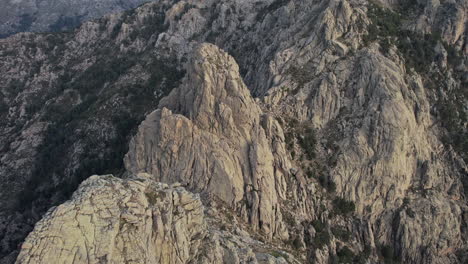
[
  {"x": 214, "y": 96},
  {"x": 118, "y": 221},
  {"x": 137, "y": 220},
  {"x": 192, "y": 140},
  {"x": 207, "y": 134}
]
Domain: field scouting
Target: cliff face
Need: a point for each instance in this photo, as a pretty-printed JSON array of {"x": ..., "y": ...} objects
[
  {"x": 118, "y": 221},
  {"x": 354, "y": 151},
  {"x": 137, "y": 220},
  {"x": 208, "y": 135}
]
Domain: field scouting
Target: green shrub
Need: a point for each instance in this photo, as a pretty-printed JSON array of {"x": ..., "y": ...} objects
[
  {"x": 65, "y": 23},
  {"x": 288, "y": 218},
  {"x": 345, "y": 255},
  {"x": 3, "y": 108},
  {"x": 50, "y": 179},
  {"x": 185, "y": 9},
  {"x": 386, "y": 251},
  {"x": 153, "y": 25},
  {"x": 454, "y": 57},
  {"x": 319, "y": 226},
  {"x": 327, "y": 183},
  {"x": 388, "y": 254},
  {"x": 25, "y": 22},
  {"x": 293, "y": 123},
  {"x": 152, "y": 197},
  {"x": 385, "y": 24},
  {"x": 296, "y": 243},
  {"x": 289, "y": 140},
  {"x": 418, "y": 50},
  {"x": 321, "y": 239},
  {"x": 305, "y": 136},
  {"x": 300, "y": 75},
  {"x": 406, "y": 201},
  {"x": 341, "y": 233},
  {"x": 308, "y": 142},
  {"x": 453, "y": 116},
  {"x": 410, "y": 212},
  {"x": 343, "y": 207},
  {"x": 14, "y": 87},
  {"x": 270, "y": 8},
  {"x": 310, "y": 173},
  {"x": 364, "y": 255}
]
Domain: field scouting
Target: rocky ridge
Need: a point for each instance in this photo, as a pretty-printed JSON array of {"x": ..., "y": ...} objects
[
  {"x": 111, "y": 209},
  {"x": 362, "y": 122},
  {"x": 136, "y": 220},
  {"x": 209, "y": 134},
  {"x": 117, "y": 221}
]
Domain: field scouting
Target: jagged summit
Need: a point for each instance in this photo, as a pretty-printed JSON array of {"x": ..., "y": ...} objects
[
  {"x": 207, "y": 134},
  {"x": 192, "y": 140},
  {"x": 214, "y": 95},
  {"x": 110, "y": 220}
]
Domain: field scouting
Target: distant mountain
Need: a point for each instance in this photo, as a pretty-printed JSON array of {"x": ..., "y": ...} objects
[{"x": 55, "y": 15}]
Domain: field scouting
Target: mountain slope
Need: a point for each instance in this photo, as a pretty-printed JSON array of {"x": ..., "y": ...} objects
[
  {"x": 209, "y": 172},
  {"x": 58, "y": 15},
  {"x": 371, "y": 108}
]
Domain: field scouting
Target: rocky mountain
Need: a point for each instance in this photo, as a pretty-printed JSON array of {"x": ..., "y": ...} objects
[
  {"x": 138, "y": 221},
  {"x": 57, "y": 15},
  {"x": 336, "y": 132}
]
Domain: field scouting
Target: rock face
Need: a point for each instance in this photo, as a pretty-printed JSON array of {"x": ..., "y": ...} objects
[
  {"x": 46, "y": 16},
  {"x": 115, "y": 221},
  {"x": 133, "y": 221},
  {"x": 209, "y": 135},
  {"x": 433, "y": 17},
  {"x": 48, "y": 113},
  {"x": 227, "y": 158},
  {"x": 354, "y": 150},
  {"x": 441, "y": 216},
  {"x": 394, "y": 143}
]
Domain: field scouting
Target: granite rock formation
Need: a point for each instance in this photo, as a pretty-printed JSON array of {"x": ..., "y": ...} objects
[
  {"x": 338, "y": 134},
  {"x": 136, "y": 220},
  {"x": 47, "y": 16},
  {"x": 209, "y": 135}
]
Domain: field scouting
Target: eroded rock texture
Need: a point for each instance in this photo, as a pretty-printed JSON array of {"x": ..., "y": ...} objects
[
  {"x": 209, "y": 135},
  {"x": 110, "y": 220},
  {"x": 354, "y": 150},
  {"x": 118, "y": 221}
]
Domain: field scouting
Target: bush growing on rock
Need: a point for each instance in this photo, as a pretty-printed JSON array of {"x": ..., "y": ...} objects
[
  {"x": 341, "y": 233},
  {"x": 322, "y": 237},
  {"x": 345, "y": 255},
  {"x": 327, "y": 183},
  {"x": 308, "y": 142},
  {"x": 343, "y": 207},
  {"x": 388, "y": 254}
]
